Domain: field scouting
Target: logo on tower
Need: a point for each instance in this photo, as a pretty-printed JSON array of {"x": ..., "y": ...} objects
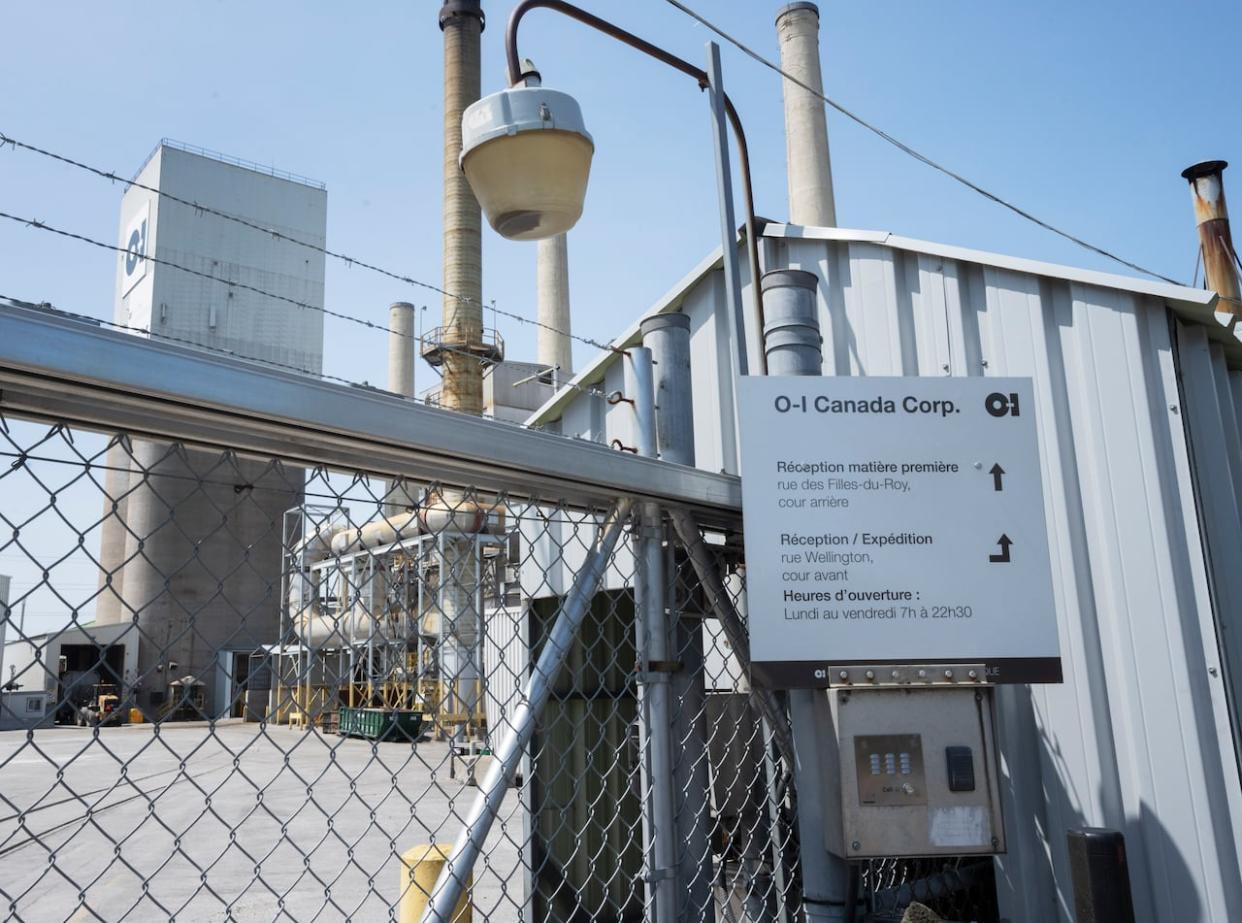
[{"x": 134, "y": 244}]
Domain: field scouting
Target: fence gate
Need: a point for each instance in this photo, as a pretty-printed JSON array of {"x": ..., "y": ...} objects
[{"x": 286, "y": 629}]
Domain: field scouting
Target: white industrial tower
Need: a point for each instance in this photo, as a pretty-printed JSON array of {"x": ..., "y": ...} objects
[{"x": 210, "y": 581}]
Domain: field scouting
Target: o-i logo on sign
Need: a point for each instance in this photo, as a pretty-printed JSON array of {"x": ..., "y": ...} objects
[{"x": 134, "y": 244}]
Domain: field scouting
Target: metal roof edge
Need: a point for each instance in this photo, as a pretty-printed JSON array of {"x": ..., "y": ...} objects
[
  {"x": 1200, "y": 298},
  {"x": 1193, "y": 304}
]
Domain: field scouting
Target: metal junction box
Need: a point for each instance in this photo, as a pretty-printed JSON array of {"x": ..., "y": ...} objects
[{"x": 918, "y": 771}]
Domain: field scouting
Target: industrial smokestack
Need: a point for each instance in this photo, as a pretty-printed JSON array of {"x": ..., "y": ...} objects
[
  {"x": 462, "y": 332},
  {"x": 401, "y": 340},
  {"x": 460, "y": 355},
  {"x": 808, "y": 167},
  {"x": 555, "y": 345},
  {"x": 401, "y": 348},
  {"x": 1215, "y": 242}
]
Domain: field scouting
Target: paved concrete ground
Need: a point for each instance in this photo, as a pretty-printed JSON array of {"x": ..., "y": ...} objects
[{"x": 230, "y": 824}]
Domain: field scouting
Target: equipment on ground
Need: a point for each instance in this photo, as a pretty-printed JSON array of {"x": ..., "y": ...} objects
[{"x": 102, "y": 708}]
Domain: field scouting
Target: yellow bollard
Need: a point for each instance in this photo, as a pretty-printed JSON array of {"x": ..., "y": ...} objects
[{"x": 420, "y": 867}]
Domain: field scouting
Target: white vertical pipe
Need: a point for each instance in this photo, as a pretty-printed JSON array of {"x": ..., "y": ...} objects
[{"x": 808, "y": 165}]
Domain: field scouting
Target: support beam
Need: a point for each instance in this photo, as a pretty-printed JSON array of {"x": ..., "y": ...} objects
[{"x": 459, "y": 866}]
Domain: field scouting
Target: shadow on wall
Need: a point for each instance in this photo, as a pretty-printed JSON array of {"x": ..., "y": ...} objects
[{"x": 1033, "y": 880}]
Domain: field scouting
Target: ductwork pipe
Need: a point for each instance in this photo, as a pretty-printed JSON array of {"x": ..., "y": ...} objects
[{"x": 791, "y": 338}]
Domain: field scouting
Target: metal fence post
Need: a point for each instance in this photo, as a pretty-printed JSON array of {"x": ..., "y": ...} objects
[
  {"x": 654, "y": 663},
  {"x": 460, "y": 863}
]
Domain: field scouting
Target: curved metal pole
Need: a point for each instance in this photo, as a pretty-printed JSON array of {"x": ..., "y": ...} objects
[{"x": 700, "y": 76}]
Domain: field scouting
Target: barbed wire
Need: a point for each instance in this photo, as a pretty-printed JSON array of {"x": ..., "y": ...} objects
[
  {"x": 906, "y": 149},
  {"x": 161, "y": 261},
  {"x": 280, "y": 235}
]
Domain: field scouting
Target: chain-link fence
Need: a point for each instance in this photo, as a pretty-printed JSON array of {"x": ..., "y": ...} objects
[
  {"x": 262, "y": 683},
  {"x": 267, "y": 658}
]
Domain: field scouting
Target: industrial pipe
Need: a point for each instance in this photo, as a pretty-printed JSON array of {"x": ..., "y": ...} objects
[
  {"x": 791, "y": 337},
  {"x": 459, "y": 866},
  {"x": 1220, "y": 269},
  {"x": 795, "y": 350},
  {"x": 668, "y": 338},
  {"x": 655, "y": 663},
  {"x": 602, "y": 25}
]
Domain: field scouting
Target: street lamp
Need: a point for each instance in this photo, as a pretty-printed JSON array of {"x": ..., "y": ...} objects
[{"x": 527, "y": 156}]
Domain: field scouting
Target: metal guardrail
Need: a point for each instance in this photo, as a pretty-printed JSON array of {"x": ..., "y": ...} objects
[
  {"x": 229, "y": 159},
  {"x": 60, "y": 368}
]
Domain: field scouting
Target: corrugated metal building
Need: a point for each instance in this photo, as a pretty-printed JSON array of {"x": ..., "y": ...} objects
[{"x": 1139, "y": 393}]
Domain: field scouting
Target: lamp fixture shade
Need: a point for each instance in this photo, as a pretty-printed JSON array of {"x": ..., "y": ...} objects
[{"x": 527, "y": 156}]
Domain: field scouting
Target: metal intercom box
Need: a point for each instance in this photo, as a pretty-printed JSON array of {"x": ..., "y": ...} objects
[{"x": 918, "y": 771}]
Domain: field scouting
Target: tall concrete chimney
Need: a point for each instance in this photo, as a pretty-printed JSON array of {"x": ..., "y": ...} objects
[
  {"x": 401, "y": 338},
  {"x": 808, "y": 167},
  {"x": 555, "y": 345},
  {"x": 1220, "y": 270},
  {"x": 462, "y": 22},
  {"x": 461, "y": 384},
  {"x": 401, "y": 348}
]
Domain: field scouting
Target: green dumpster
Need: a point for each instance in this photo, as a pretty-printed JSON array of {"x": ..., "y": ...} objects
[{"x": 380, "y": 724}]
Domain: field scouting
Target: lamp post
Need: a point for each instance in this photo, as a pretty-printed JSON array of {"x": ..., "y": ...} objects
[{"x": 527, "y": 156}]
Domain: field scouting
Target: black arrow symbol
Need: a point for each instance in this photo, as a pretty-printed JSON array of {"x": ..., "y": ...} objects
[
  {"x": 997, "y": 471},
  {"x": 1003, "y": 558}
]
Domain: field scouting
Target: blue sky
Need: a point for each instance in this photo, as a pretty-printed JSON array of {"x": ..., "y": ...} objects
[{"x": 1083, "y": 113}]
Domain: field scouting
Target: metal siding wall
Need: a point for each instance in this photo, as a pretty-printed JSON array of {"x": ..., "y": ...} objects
[
  {"x": 247, "y": 323},
  {"x": 1214, "y": 459},
  {"x": 1138, "y": 735},
  {"x": 506, "y": 664}
]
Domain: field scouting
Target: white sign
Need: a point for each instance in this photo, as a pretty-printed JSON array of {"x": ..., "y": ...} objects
[
  {"x": 895, "y": 520},
  {"x": 134, "y": 243}
]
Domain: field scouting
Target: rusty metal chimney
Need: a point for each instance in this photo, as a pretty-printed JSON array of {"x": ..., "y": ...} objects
[
  {"x": 1220, "y": 268},
  {"x": 459, "y": 346},
  {"x": 808, "y": 167}
]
